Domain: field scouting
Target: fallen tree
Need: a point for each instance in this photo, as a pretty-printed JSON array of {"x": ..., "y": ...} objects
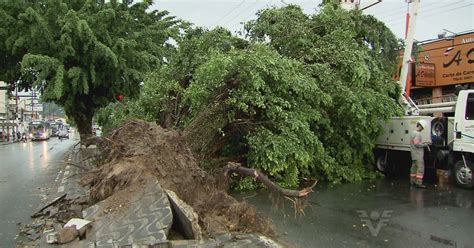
[
  {"x": 139, "y": 150},
  {"x": 304, "y": 98}
]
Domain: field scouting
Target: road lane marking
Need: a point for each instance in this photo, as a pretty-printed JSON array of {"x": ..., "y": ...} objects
[
  {"x": 66, "y": 173},
  {"x": 61, "y": 189}
]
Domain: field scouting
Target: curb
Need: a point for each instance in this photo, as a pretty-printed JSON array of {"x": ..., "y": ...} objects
[{"x": 9, "y": 143}]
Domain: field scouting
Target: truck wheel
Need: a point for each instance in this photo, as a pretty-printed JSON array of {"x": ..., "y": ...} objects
[
  {"x": 381, "y": 164},
  {"x": 463, "y": 174}
]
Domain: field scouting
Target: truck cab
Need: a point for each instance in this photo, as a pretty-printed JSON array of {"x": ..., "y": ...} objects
[
  {"x": 462, "y": 151},
  {"x": 464, "y": 122}
]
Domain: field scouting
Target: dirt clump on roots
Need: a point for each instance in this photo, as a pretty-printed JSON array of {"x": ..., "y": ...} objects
[{"x": 139, "y": 150}]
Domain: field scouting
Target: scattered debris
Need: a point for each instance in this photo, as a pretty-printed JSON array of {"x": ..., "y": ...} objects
[
  {"x": 56, "y": 200},
  {"x": 34, "y": 236},
  {"x": 51, "y": 237},
  {"x": 67, "y": 234},
  {"x": 79, "y": 223}
]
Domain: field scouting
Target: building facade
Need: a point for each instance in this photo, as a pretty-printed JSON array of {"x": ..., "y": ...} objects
[
  {"x": 441, "y": 65},
  {"x": 17, "y": 109}
]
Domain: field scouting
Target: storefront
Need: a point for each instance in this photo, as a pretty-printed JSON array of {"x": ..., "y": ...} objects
[{"x": 440, "y": 66}]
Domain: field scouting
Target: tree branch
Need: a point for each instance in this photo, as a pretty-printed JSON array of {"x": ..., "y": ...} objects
[{"x": 259, "y": 176}]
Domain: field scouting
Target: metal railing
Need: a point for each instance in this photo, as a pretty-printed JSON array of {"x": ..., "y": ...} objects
[{"x": 429, "y": 100}]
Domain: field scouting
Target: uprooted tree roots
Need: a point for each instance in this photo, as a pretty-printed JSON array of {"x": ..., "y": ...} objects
[{"x": 139, "y": 149}]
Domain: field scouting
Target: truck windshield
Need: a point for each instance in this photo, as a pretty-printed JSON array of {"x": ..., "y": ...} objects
[{"x": 470, "y": 107}]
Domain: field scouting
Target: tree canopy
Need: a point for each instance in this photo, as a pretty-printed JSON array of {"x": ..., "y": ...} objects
[
  {"x": 81, "y": 54},
  {"x": 302, "y": 95}
]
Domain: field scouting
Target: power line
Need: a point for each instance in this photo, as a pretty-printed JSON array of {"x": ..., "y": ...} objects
[
  {"x": 247, "y": 17},
  {"x": 444, "y": 11},
  {"x": 241, "y": 12},
  {"x": 266, "y": 4},
  {"x": 425, "y": 11},
  {"x": 228, "y": 13},
  {"x": 393, "y": 12},
  {"x": 403, "y": 10},
  {"x": 395, "y": 21}
]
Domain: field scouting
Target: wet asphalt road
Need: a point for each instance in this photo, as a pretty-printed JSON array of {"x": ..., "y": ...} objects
[
  {"x": 440, "y": 216},
  {"x": 27, "y": 173}
]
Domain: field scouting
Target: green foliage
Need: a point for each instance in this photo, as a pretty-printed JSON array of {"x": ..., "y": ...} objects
[
  {"x": 353, "y": 57},
  {"x": 303, "y": 97},
  {"x": 273, "y": 100},
  {"x": 81, "y": 54},
  {"x": 162, "y": 97},
  {"x": 117, "y": 113}
]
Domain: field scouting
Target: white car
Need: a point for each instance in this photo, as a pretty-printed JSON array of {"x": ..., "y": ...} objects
[{"x": 63, "y": 134}]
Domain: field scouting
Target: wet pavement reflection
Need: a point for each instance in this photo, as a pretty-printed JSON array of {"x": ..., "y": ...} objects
[
  {"x": 380, "y": 213},
  {"x": 27, "y": 172}
]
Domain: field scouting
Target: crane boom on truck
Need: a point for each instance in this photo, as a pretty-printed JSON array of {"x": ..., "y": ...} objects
[{"x": 452, "y": 138}]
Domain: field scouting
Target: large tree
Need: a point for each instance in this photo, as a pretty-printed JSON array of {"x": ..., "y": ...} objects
[
  {"x": 305, "y": 96},
  {"x": 81, "y": 54}
]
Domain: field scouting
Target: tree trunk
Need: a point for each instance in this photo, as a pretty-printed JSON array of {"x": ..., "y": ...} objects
[
  {"x": 205, "y": 129},
  {"x": 84, "y": 125}
]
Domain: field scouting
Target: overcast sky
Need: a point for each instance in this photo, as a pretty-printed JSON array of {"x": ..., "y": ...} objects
[{"x": 434, "y": 15}]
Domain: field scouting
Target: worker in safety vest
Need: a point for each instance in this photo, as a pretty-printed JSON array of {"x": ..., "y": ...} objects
[{"x": 417, "y": 149}]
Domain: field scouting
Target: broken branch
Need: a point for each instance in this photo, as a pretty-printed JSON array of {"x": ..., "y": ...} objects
[{"x": 259, "y": 176}]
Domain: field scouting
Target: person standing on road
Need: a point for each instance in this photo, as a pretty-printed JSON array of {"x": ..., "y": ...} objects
[{"x": 417, "y": 150}]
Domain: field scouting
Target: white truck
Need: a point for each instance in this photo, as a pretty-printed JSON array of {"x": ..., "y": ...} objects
[{"x": 452, "y": 139}]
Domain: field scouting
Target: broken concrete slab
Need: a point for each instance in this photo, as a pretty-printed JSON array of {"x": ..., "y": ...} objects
[
  {"x": 79, "y": 223},
  {"x": 139, "y": 214},
  {"x": 185, "y": 218}
]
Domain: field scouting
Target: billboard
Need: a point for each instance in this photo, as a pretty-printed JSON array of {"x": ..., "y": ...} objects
[{"x": 446, "y": 61}]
